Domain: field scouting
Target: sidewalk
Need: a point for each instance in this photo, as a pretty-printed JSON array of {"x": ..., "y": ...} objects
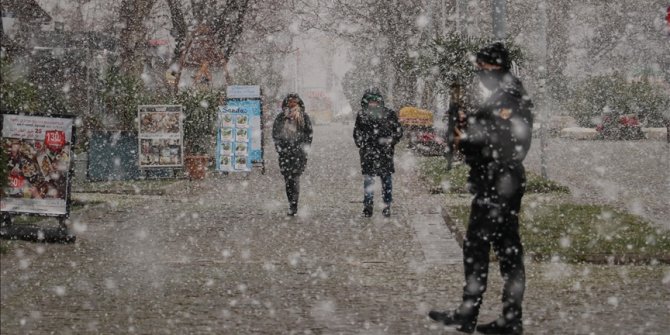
[{"x": 219, "y": 256}]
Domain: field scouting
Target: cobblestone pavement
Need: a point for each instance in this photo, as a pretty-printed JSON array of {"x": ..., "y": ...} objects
[
  {"x": 219, "y": 256},
  {"x": 633, "y": 175}
]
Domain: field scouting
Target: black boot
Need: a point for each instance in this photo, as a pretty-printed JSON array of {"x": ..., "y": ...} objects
[
  {"x": 387, "y": 211},
  {"x": 367, "y": 208},
  {"x": 450, "y": 318},
  {"x": 501, "y": 326},
  {"x": 367, "y": 211},
  {"x": 292, "y": 210}
]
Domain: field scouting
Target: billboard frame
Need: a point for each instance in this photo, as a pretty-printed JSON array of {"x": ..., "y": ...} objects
[{"x": 61, "y": 234}]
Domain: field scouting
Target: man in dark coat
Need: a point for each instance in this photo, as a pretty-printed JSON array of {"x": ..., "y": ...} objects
[
  {"x": 292, "y": 134},
  {"x": 376, "y": 133},
  {"x": 495, "y": 141}
]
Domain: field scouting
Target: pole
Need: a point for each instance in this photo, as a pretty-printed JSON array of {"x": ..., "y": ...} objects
[
  {"x": 542, "y": 98},
  {"x": 461, "y": 14},
  {"x": 297, "y": 65},
  {"x": 499, "y": 15}
]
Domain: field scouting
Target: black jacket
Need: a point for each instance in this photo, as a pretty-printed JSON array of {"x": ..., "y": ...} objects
[
  {"x": 376, "y": 138},
  {"x": 498, "y": 137},
  {"x": 500, "y": 129},
  {"x": 292, "y": 154}
]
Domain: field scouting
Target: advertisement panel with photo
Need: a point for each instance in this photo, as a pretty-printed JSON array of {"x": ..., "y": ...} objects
[
  {"x": 160, "y": 136},
  {"x": 251, "y": 110},
  {"x": 239, "y": 140},
  {"x": 40, "y": 156},
  {"x": 233, "y": 141}
]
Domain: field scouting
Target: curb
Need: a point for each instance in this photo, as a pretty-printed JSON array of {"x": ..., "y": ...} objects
[
  {"x": 125, "y": 192},
  {"x": 459, "y": 234}
]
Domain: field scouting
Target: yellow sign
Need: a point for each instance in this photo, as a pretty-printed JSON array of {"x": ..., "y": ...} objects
[{"x": 412, "y": 116}]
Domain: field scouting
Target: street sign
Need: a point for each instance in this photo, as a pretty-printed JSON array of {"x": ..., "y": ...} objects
[{"x": 243, "y": 92}]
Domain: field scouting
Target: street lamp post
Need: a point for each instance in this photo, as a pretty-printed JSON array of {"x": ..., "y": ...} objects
[
  {"x": 542, "y": 96},
  {"x": 296, "y": 83},
  {"x": 499, "y": 14},
  {"x": 460, "y": 17}
]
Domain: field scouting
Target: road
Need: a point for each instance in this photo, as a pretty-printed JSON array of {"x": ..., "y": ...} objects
[{"x": 219, "y": 256}]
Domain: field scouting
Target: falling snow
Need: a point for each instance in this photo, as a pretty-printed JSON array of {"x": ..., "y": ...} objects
[{"x": 157, "y": 251}]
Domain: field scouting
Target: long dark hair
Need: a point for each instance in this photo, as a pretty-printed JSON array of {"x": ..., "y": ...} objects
[{"x": 300, "y": 118}]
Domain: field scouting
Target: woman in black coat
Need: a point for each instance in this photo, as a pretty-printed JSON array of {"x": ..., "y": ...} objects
[
  {"x": 292, "y": 133},
  {"x": 376, "y": 133}
]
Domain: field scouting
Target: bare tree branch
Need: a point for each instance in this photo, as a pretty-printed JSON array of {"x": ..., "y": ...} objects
[{"x": 133, "y": 14}]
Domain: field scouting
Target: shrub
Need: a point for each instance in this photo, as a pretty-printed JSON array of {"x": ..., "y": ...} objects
[
  {"x": 603, "y": 99},
  {"x": 620, "y": 128},
  {"x": 451, "y": 57},
  {"x": 20, "y": 95},
  {"x": 120, "y": 96},
  {"x": 200, "y": 108}
]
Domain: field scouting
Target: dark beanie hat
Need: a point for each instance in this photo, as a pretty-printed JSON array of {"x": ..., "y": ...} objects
[
  {"x": 372, "y": 94},
  {"x": 495, "y": 54}
]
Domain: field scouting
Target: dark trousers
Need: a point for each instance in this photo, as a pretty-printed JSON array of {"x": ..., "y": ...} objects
[
  {"x": 292, "y": 189},
  {"x": 494, "y": 222},
  {"x": 368, "y": 188}
]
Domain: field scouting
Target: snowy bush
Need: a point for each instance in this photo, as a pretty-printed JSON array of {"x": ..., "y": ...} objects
[
  {"x": 20, "y": 95},
  {"x": 604, "y": 100},
  {"x": 120, "y": 96},
  {"x": 453, "y": 56},
  {"x": 200, "y": 108},
  {"x": 623, "y": 127}
]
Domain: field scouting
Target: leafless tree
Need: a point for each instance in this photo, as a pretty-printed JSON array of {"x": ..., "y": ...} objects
[
  {"x": 384, "y": 30},
  {"x": 219, "y": 28},
  {"x": 133, "y": 15},
  {"x": 264, "y": 45}
]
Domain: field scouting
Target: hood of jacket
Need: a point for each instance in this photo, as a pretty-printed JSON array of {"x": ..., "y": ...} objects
[
  {"x": 370, "y": 95},
  {"x": 295, "y": 96}
]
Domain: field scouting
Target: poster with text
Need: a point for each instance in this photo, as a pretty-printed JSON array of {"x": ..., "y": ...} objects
[
  {"x": 39, "y": 156},
  {"x": 232, "y": 141},
  {"x": 239, "y": 135},
  {"x": 160, "y": 136},
  {"x": 251, "y": 109}
]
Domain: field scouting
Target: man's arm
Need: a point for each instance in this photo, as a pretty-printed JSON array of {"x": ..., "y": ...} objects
[
  {"x": 452, "y": 119},
  {"x": 397, "y": 128},
  {"x": 358, "y": 134},
  {"x": 308, "y": 130}
]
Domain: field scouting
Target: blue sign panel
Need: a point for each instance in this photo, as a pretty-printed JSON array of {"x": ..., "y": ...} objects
[{"x": 239, "y": 133}]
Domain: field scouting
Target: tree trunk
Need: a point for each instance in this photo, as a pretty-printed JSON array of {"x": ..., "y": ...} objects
[
  {"x": 182, "y": 43},
  {"x": 133, "y": 14},
  {"x": 226, "y": 72}
]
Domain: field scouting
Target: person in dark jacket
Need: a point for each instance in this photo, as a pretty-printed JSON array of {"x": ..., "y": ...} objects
[
  {"x": 292, "y": 134},
  {"x": 495, "y": 141},
  {"x": 376, "y": 133}
]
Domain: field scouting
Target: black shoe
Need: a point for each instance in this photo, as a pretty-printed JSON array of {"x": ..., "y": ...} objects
[
  {"x": 292, "y": 211},
  {"x": 449, "y": 318},
  {"x": 367, "y": 211},
  {"x": 386, "y": 211},
  {"x": 501, "y": 326}
]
